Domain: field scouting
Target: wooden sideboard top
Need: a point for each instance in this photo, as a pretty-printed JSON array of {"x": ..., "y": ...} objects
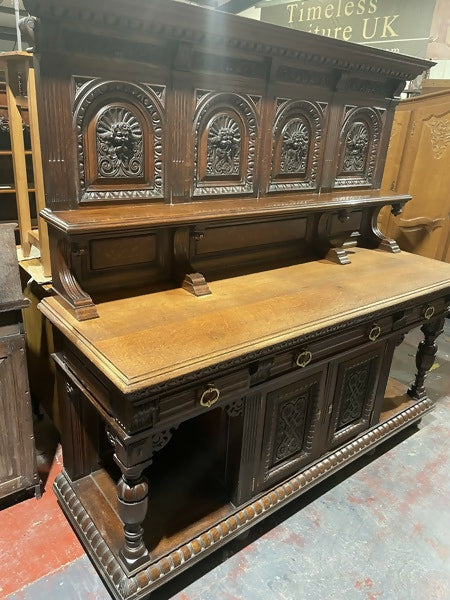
[
  {"x": 100, "y": 218},
  {"x": 145, "y": 340}
]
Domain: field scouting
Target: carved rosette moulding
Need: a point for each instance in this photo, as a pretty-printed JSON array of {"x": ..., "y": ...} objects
[
  {"x": 297, "y": 138},
  {"x": 119, "y": 127},
  {"x": 358, "y": 147},
  {"x": 225, "y": 136}
]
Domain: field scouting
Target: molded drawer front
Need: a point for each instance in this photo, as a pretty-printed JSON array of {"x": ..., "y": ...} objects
[
  {"x": 310, "y": 353},
  {"x": 213, "y": 392}
]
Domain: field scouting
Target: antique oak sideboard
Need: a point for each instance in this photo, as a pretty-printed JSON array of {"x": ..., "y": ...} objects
[{"x": 226, "y": 308}]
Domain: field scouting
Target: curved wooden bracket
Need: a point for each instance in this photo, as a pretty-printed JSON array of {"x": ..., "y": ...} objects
[
  {"x": 79, "y": 303},
  {"x": 377, "y": 237}
]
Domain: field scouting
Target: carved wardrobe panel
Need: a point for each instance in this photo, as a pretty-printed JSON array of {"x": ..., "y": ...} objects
[
  {"x": 296, "y": 145},
  {"x": 359, "y": 142},
  {"x": 225, "y": 144},
  {"x": 119, "y": 129}
]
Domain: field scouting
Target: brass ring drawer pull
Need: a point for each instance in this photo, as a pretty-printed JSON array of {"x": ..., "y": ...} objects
[
  {"x": 374, "y": 333},
  {"x": 209, "y": 396},
  {"x": 429, "y": 312},
  {"x": 304, "y": 358}
]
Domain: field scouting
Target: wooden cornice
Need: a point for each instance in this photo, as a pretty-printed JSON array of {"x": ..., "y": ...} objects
[{"x": 203, "y": 27}]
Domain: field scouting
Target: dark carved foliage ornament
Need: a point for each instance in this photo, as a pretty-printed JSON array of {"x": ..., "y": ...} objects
[
  {"x": 294, "y": 149},
  {"x": 119, "y": 144},
  {"x": 120, "y": 136},
  {"x": 223, "y": 147},
  {"x": 359, "y": 142},
  {"x": 356, "y": 147},
  {"x": 228, "y": 120},
  {"x": 297, "y": 138}
]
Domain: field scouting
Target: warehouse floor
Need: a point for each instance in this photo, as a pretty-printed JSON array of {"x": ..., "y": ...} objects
[{"x": 379, "y": 529}]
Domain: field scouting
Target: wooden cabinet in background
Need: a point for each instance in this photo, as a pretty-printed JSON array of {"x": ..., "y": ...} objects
[
  {"x": 417, "y": 163},
  {"x": 18, "y": 470}
]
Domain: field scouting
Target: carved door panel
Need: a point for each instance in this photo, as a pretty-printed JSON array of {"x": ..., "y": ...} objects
[
  {"x": 291, "y": 408},
  {"x": 355, "y": 381}
]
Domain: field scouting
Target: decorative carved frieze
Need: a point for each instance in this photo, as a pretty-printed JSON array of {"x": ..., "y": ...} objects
[
  {"x": 294, "y": 75},
  {"x": 228, "y": 65}
]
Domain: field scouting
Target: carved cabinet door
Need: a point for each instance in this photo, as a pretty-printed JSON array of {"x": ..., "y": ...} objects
[
  {"x": 291, "y": 410},
  {"x": 356, "y": 383}
]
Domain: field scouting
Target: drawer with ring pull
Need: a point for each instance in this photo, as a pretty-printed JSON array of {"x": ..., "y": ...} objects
[
  {"x": 311, "y": 352},
  {"x": 212, "y": 392}
]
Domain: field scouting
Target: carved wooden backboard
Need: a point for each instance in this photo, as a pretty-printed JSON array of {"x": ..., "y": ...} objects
[{"x": 185, "y": 104}]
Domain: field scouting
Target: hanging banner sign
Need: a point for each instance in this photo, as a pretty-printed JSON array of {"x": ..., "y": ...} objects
[{"x": 396, "y": 25}]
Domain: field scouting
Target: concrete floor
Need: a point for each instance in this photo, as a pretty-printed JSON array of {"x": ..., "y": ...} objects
[{"x": 377, "y": 529}]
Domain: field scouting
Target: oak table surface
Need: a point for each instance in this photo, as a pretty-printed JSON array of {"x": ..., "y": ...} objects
[{"x": 144, "y": 340}]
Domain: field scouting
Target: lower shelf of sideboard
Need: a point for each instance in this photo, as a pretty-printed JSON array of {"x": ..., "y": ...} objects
[{"x": 179, "y": 538}]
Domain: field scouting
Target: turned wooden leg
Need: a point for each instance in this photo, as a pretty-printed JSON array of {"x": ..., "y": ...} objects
[
  {"x": 133, "y": 502},
  {"x": 426, "y": 352}
]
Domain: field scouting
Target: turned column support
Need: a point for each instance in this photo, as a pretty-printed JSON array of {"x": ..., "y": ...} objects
[
  {"x": 132, "y": 492},
  {"x": 133, "y": 456},
  {"x": 425, "y": 355}
]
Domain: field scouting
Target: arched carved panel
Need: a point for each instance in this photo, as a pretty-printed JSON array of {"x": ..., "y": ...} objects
[
  {"x": 119, "y": 127},
  {"x": 296, "y": 150},
  {"x": 358, "y": 147},
  {"x": 225, "y": 134}
]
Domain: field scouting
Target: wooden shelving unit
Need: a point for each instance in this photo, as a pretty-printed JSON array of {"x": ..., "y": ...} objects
[{"x": 21, "y": 179}]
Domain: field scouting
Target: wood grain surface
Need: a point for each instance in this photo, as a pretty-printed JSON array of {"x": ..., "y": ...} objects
[{"x": 144, "y": 340}]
